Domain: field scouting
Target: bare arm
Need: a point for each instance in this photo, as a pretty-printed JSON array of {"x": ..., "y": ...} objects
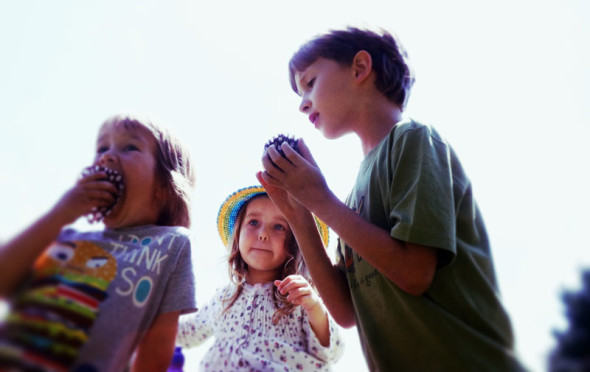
[
  {"x": 18, "y": 255},
  {"x": 154, "y": 352},
  {"x": 329, "y": 280},
  {"x": 300, "y": 292},
  {"x": 411, "y": 267}
]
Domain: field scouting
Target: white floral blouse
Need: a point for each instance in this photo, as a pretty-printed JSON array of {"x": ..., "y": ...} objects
[{"x": 247, "y": 340}]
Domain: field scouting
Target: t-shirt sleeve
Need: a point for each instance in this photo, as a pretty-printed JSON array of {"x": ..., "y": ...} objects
[
  {"x": 180, "y": 290},
  {"x": 421, "y": 191}
]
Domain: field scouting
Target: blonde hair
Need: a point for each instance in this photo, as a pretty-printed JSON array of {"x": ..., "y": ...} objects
[
  {"x": 238, "y": 268},
  {"x": 173, "y": 169}
]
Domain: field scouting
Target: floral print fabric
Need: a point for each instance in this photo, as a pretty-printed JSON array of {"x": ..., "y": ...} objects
[{"x": 247, "y": 340}]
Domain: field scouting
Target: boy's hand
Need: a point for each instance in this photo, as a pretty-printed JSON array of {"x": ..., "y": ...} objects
[
  {"x": 90, "y": 191},
  {"x": 299, "y": 292},
  {"x": 286, "y": 203},
  {"x": 298, "y": 174}
]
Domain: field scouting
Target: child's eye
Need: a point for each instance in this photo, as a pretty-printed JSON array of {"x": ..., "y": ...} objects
[
  {"x": 280, "y": 227},
  {"x": 131, "y": 148},
  {"x": 101, "y": 149},
  {"x": 253, "y": 222},
  {"x": 310, "y": 83}
]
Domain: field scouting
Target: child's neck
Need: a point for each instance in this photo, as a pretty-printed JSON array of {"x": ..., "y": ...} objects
[
  {"x": 376, "y": 125},
  {"x": 260, "y": 277}
]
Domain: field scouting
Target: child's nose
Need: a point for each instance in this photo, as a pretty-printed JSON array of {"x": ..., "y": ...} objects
[
  {"x": 106, "y": 158},
  {"x": 305, "y": 105},
  {"x": 263, "y": 234}
]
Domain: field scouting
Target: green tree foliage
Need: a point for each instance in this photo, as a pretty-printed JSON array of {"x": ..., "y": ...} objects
[{"x": 572, "y": 352}]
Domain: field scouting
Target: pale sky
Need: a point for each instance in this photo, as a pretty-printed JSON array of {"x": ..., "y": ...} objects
[{"x": 506, "y": 82}]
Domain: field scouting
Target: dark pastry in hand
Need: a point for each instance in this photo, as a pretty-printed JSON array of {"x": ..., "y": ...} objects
[
  {"x": 279, "y": 140},
  {"x": 98, "y": 213}
]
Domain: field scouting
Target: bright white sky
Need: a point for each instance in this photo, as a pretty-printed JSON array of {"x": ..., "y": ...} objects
[{"x": 506, "y": 83}]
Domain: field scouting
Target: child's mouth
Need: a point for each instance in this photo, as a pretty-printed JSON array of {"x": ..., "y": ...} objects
[
  {"x": 314, "y": 118},
  {"x": 97, "y": 214}
]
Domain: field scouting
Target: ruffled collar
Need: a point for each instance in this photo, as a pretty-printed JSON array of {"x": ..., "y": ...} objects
[{"x": 257, "y": 288}]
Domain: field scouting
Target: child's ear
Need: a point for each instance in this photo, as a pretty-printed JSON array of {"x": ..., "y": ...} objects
[{"x": 362, "y": 65}]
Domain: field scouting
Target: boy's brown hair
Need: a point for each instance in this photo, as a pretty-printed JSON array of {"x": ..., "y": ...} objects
[{"x": 394, "y": 76}]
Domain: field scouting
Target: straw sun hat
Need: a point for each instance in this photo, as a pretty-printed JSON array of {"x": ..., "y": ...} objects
[{"x": 228, "y": 213}]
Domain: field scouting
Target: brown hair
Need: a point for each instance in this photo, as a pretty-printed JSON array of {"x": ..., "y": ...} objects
[
  {"x": 394, "y": 76},
  {"x": 173, "y": 169},
  {"x": 238, "y": 268}
]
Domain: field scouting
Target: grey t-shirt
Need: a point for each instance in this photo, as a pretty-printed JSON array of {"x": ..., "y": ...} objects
[{"x": 93, "y": 295}]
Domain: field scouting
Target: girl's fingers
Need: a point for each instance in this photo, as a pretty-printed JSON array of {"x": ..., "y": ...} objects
[
  {"x": 90, "y": 186},
  {"x": 97, "y": 180},
  {"x": 96, "y": 194},
  {"x": 101, "y": 196},
  {"x": 93, "y": 177},
  {"x": 290, "y": 282},
  {"x": 297, "y": 291},
  {"x": 301, "y": 298}
]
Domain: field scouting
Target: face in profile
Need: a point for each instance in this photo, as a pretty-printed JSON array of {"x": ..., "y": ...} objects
[{"x": 326, "y": 89}]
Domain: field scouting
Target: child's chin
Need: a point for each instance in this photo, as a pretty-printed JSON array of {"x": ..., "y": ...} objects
[{"x": 112, "y": 220}]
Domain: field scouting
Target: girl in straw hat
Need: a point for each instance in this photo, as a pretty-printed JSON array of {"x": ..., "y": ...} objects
[{"x": 269, "y": 318}]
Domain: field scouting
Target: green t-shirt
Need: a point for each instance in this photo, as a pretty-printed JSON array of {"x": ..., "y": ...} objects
[{"x": 413, "y": 185}]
